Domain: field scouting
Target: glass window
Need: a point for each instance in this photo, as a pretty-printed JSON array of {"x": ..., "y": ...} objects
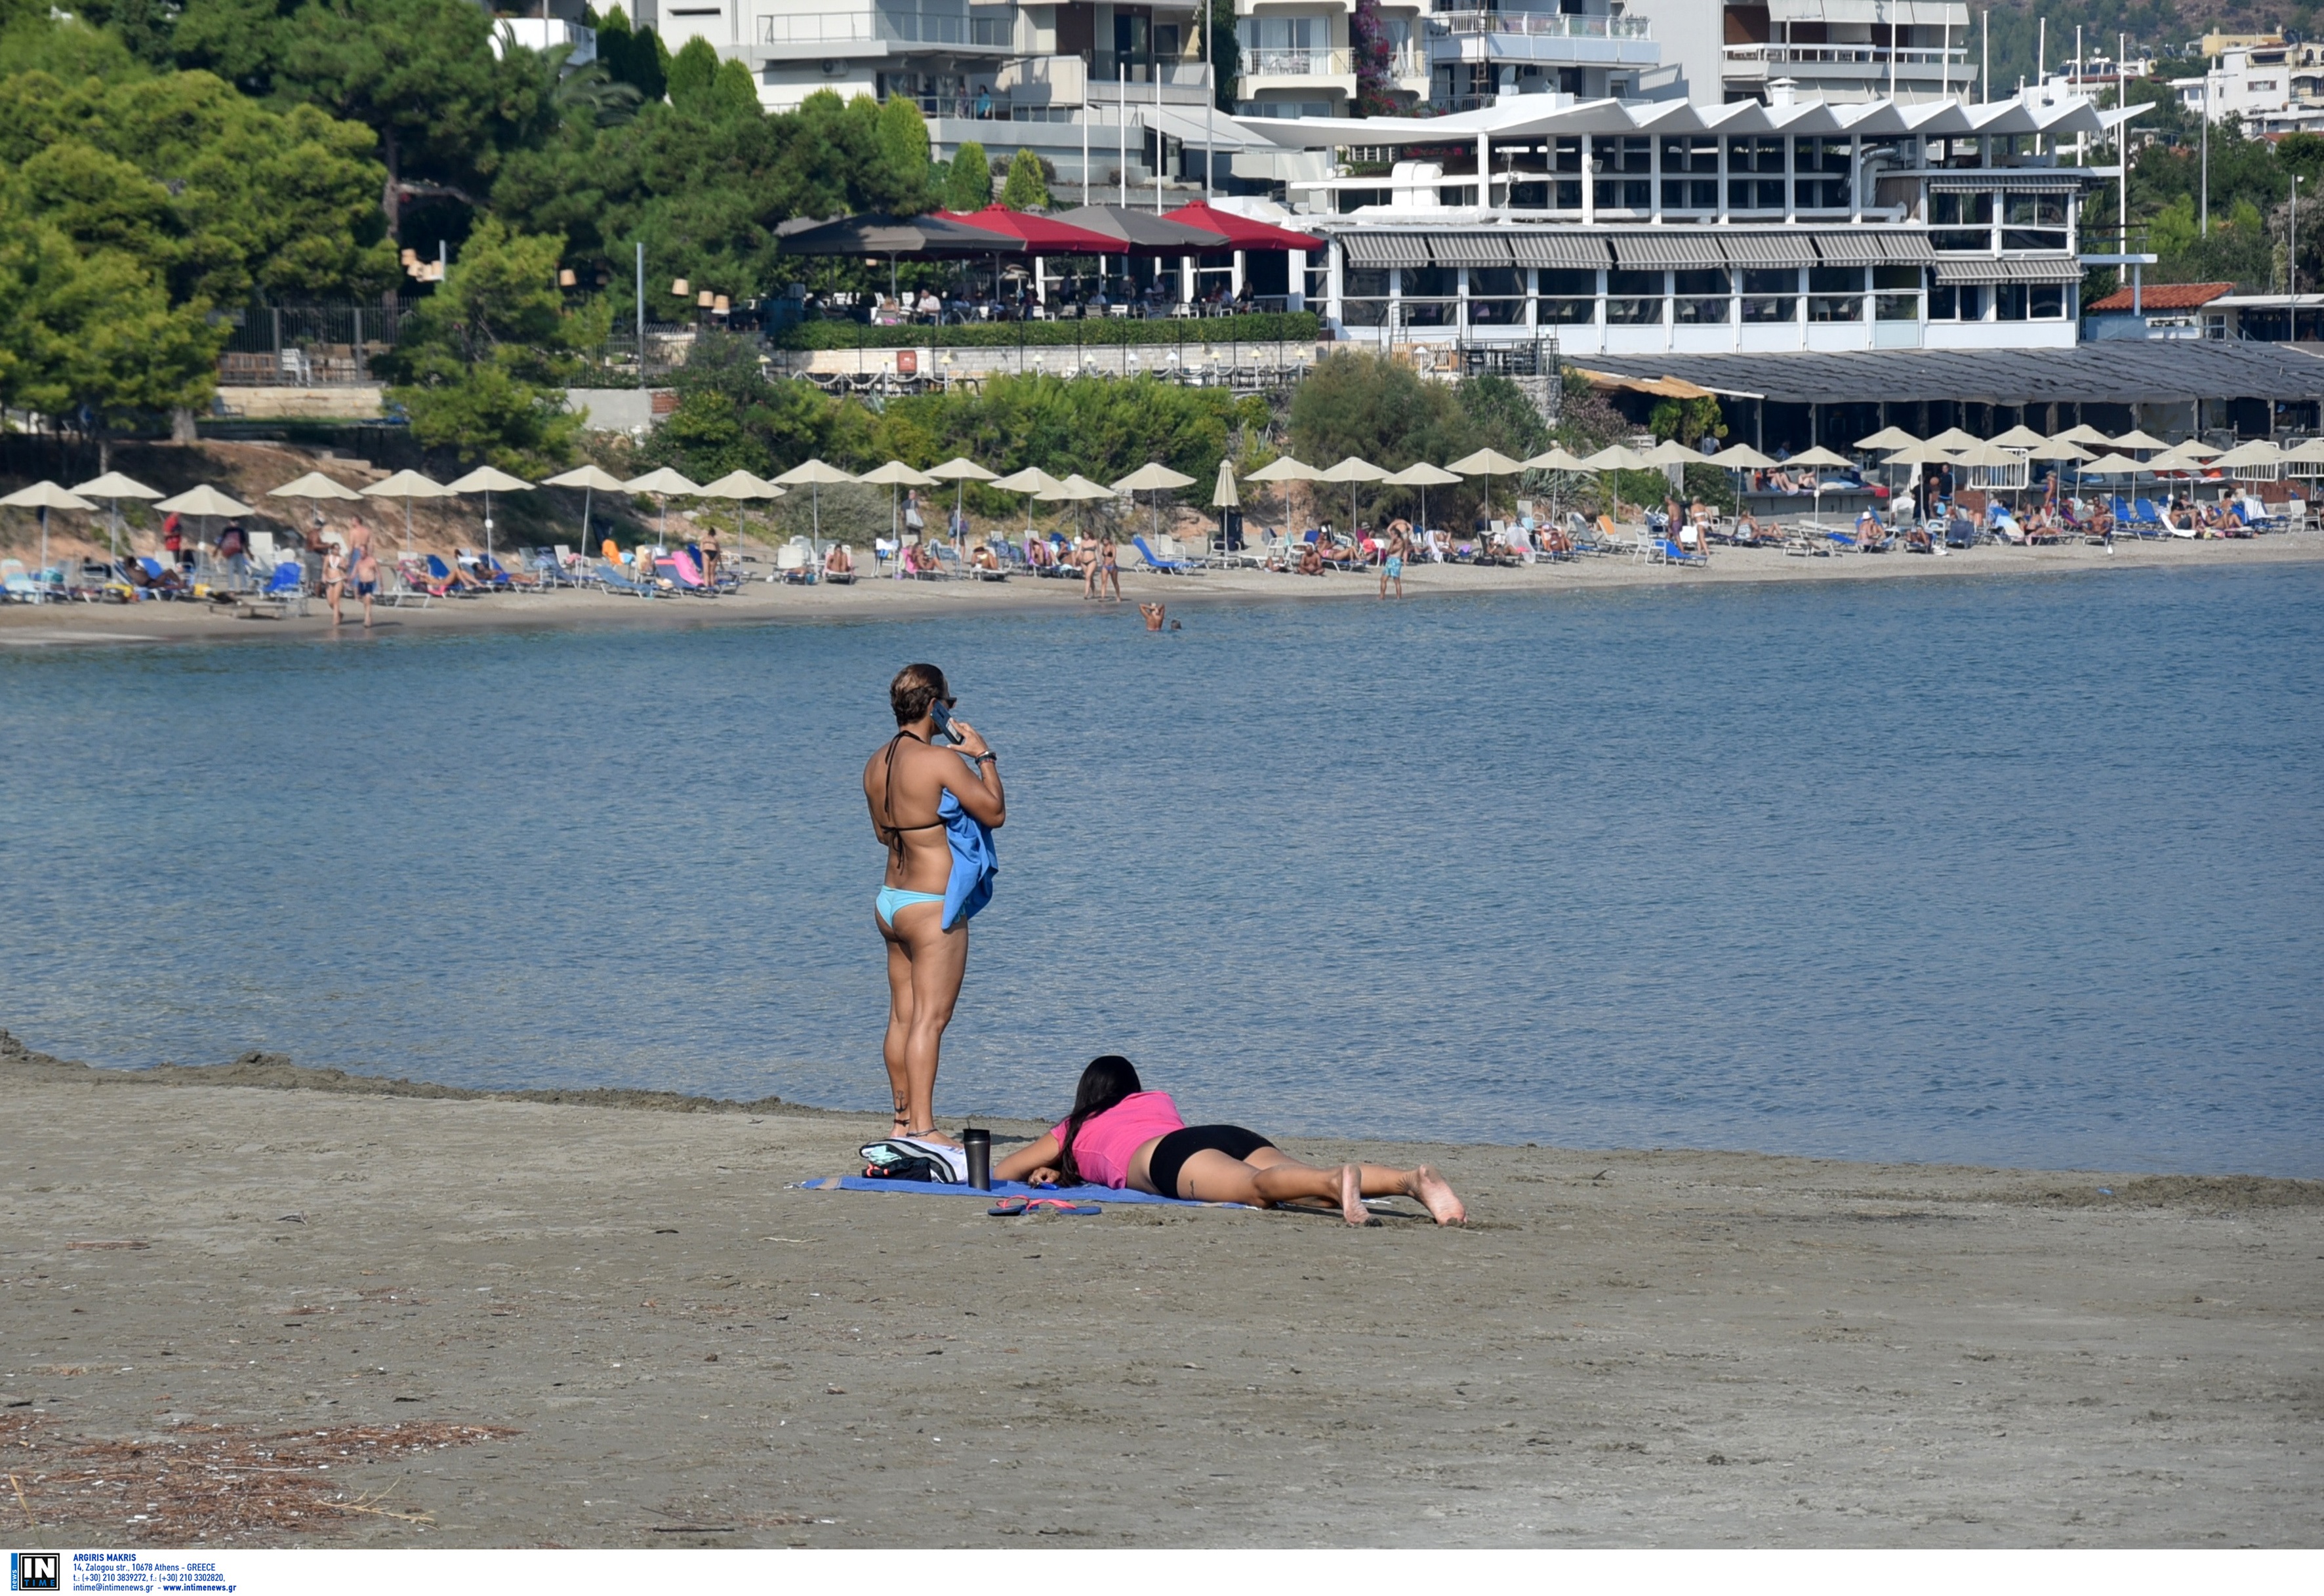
[
  {"x": 1363, "y": 297},
  {"x": 1822, "y": 280},
  {"x": 1850, "y": 308},
  {"x": 1761, "y": 305},
  {"x": 1553, "y": 279},
  {"x": 2048, "y": 301},
  {"x": 2033, "y": 210},
  {"x": 1634, "y": 298},
  {"x": 1693, "y": 302},
  {"x": 1755, "y": 193},
  {"x": 1625, "y": 194},
  {"x": 1819, "y": 193},
  {"x": 2009, "y": 302},
  {"x": 1569, "y": 194},
  {"x": 1897, "y": 279},
  {"x": 1950, "y": 209},
  {"x": 1690, "y": 193},
  {"x": 1778, "y": 280},
  {"x": 1690, "y": 154},
  {"x": 1566, "y": 312},
  {"x": 1896, "y": 306}
]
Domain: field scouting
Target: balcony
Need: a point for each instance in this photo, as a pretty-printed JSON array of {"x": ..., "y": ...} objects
[
  {"x": 1481, "y": 37},
  {"x": 816, "y": 29},
  {"x": 1866, "y": 61},
  {"x": 1298, "y": 63},
  {"x": 545, "y": 35}
]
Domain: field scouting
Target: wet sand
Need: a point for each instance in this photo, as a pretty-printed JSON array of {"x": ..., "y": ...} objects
[
  {"x": 257, "y": 1304},
  {"x": 874, "y": 598}
]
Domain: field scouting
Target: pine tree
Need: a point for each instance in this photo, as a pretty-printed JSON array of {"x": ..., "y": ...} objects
[
  {"x": 969, "y": 185},
  {"x": 1027, "y": 187}
]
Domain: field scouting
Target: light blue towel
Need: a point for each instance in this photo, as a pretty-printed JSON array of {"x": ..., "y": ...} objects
[{"x": 975, "y": 862}]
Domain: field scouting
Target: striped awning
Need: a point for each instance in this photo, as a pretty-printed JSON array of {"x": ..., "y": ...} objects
[
  {"x": 1566, "y": 250},
  {"x": 1768, "y": 249},
  {"x": 1953, "y": 268},
  {"x": 1869, "y": 248},
  {"x": 1666, "y": 247},
  {"x": 2007, "y": 178},
  {"x": 1469, "y": 249},
  {"x": 1374, "y": 251}
]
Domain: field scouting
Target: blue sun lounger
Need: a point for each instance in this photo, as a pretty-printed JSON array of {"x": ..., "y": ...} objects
[{"x": 1155, "y": 562}]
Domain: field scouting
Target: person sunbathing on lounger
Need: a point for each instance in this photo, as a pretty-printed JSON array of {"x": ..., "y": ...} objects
[
  {"x": 1118, "y": 1134},
  {"x": 839, "y": 562}
]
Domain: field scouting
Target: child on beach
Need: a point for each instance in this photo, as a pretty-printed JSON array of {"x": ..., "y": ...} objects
[{"x": 1118, "y": 1134}]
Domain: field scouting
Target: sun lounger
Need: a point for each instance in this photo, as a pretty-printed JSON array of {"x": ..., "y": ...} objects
[
  {"x": 1155, "y": 562},
  {"x": 1672, "y": 554},
  {"x": 612, "y": 578}
]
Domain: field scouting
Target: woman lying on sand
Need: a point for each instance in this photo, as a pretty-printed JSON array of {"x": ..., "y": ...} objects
[{"x": 1122, "y": 1135}]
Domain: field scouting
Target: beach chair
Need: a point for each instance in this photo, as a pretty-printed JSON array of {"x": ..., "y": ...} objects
[
  {"x": 285, "y": 591},
  {"x": 444, "y": 582},
  {"x": 845, "y": 578},
  {"x": 612, "y": 578},
  {"x": 1672, "y": 554},
  {"x": 16, "y": 583},
  {"x": 795, "y": 563},
  {"x": 503, "y": 577},
  {"x": 1155, "y": 562}
]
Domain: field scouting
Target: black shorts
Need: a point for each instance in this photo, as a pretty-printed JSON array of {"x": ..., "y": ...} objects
[{"x": 1171, "y": 1153}]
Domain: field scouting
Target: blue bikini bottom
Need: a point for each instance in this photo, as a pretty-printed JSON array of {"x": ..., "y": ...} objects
[{"x": 892, "y": 899}]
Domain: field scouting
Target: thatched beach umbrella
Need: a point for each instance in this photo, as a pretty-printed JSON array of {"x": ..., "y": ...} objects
[
  {"x": 591, "y": 480},
  {"x": 44, "y": 496},
  {"x": 408, "y": 485},
  {"x": 487, "y": 481}
]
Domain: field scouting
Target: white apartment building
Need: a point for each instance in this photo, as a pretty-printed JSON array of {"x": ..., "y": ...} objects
[
  {"x": 2270, "y": 86},
  {"x": 1633, "y": 227}
]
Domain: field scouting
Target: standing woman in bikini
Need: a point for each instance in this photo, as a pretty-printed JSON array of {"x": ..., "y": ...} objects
[{"x": 906, "y": 784}]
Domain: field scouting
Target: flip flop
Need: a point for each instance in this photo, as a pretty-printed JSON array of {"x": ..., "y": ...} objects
[
  {"x": 1007, "y": 1208},
  {"x": 1060, "y": 1205}
]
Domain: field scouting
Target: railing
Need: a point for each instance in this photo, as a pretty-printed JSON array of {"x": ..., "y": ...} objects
[
  {"x": 1840, "y": 55},
  {"x": 1106, "y": 66},
  {"x": 890, "y": 27},
  {"x": 1321, "y": 62},
  {"x": 1540, "y": 25},
  {"x": 308, "y": 345}
]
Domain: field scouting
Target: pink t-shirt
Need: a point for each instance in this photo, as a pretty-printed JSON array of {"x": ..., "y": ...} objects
[{"x": 1107, "y": 1141}]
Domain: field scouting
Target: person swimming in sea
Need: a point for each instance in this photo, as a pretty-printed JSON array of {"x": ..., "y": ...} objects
[
  {"x": 1118, "y": 1134},
  {"x": 935, "y": 811}
]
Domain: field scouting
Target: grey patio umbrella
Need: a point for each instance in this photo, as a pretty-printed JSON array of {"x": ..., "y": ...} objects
[
  {"x": 1352, "y": 471},
  {"x": 661, "y": 482},
  {"x": 1423, "y": 476},
  {"x": 1154, "y": 479},
  {"x": 315, "y": 487},
  {"x": 813, "y": 474},
  {"x": 204, "y": 500},
  {"x": 1032, "y": 481},
  {"x": 487, "y": 481},
  {"x": 896, "y": 476},
  {"x": 739, "y": 487},
  {"x": 113, "y": 488},
  {"x": 591, "y": 480},
  {"x": 45, "y": 496},
  {"x": 408, "y": 485},
  {"x": 960, "y": 471}
]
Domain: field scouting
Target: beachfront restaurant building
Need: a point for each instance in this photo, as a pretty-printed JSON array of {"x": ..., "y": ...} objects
[{"x": 1634, "y": 226}]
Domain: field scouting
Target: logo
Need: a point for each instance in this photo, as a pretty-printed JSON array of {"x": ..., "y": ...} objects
[{"x": 36, "y": 1571}]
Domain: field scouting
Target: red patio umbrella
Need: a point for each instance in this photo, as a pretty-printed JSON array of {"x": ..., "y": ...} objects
[
  {"x": 1240, "y": 232},
  {"x": 1043, "y": 236}
]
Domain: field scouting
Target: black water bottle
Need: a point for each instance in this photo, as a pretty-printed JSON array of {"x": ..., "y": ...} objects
[{"x": 979, "y": 1147}]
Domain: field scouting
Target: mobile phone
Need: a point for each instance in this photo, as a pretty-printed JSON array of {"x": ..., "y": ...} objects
[{"x": 942, "y": 716}]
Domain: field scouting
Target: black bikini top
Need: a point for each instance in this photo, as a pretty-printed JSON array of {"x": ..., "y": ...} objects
[{"x": 888, "y": 800}]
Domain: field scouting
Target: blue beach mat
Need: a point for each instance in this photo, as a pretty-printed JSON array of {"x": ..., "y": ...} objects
[{"x": 1001, "y": 1188}]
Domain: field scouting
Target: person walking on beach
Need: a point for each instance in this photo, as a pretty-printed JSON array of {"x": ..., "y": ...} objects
[
  {"x": 1118, "y": 1134},
  {"x": 366, "y": 580},
  {"x": 1392, "y": 568},
  {"x": 1108, "y": 569},
  {"x": 334, "y": 581},
  {"x": 935, "y": 811}
]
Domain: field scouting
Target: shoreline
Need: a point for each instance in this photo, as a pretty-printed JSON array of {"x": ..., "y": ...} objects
[
  {"x": 875, "y": 598},
  {"x": 277, "y": 1071},
  {"x": 237, "y": 1316}
]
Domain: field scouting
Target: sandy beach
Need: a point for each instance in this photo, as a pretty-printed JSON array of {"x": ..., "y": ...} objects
[
  {"x": 256, "y": 1305},
  {"x": 31, "y": 625}
]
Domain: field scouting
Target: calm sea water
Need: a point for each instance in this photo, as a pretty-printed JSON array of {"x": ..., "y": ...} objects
[{"x": 2019, "y": 872}]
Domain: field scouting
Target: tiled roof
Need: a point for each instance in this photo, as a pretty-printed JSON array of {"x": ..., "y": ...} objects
[{"x": 2163, "y": 296}]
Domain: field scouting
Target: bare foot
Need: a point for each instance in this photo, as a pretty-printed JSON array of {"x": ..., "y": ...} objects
[
  {"x": 1351, "y": 1196},
  {"x": 1437, "y": 1197}
]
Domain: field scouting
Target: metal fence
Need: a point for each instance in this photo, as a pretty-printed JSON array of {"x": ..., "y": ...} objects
[{"x": 310, "y": 346}]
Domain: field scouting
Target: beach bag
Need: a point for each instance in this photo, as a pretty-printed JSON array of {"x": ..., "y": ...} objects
[{"x": 904, "y": 1158}]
